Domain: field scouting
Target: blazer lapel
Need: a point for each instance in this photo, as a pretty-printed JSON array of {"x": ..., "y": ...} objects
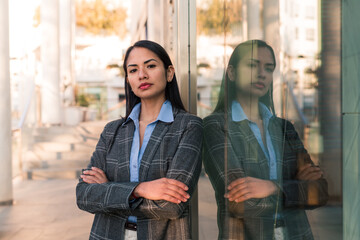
[
  {"x": 127, "y": 134},
  {"x": 277, "y": 131},
  {"x": 154, "y": 142},
  {"x": 252, "y": 149}
]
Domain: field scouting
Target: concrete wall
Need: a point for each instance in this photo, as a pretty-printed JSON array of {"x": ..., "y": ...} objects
[
  {"x": 351, "y": 118},
  {"x": 330, "y": 95},
  {"x": 5, "y": 111}
]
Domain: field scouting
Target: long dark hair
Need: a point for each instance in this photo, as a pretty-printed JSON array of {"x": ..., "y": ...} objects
[
  {"x": 171, "y": 90},
  {"x": 231, "y": 90}
]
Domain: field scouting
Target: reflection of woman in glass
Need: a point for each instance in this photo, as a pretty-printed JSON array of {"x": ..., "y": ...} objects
[
  {"x": 262, "y": 175},
  {"x": 146, "y": 165}
]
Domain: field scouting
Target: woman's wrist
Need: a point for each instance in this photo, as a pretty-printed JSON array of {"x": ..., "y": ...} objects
[
  {"x": 133, "y": 195},
  {"x": 275, "y": 188},
  {"x": 136, "y": 192}
]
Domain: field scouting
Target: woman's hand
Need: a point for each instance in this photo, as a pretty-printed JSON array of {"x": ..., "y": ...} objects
[
  {"x": 309, "y": 172},
  {"x": 95, "y": 175},
  {"x": 163, "y": 189},
  {"x": 245, "y": 188}
]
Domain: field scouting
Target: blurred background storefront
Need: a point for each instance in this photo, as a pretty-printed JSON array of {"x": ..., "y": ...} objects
[{"x": 65, "y": 69}]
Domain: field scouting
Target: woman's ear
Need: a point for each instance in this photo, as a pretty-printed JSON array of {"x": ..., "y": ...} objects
[
  {"x": 231, "y": 73},
  {"x": 170, "y": 73}
]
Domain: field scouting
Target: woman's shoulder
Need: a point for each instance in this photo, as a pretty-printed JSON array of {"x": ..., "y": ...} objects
[
  {"x": 112, "y": 126},
  {"x": 284, "y": 123},
  {"x": 183, "y": 116},
  {"x": 215, "y": 117}
]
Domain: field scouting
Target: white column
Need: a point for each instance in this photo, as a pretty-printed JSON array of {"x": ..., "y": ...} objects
[
  {"x": 253, "y": 17},
  {"x": 67, "y": 30},
  {"x": 252, "y": 26},
  {"x": 272, "y": 37},
  {"x": 5, "y": 108},
  {"x": 244, "y": 10},
  {"x": 50, "y": 87},
  {"x": 154, "y": 21}
]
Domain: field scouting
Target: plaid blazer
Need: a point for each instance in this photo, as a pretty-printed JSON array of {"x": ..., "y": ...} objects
[
  {"x": 255, "y": 218},
  {"x": 173, "y": 151}
]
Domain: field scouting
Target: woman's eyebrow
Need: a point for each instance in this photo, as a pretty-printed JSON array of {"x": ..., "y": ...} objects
[
  {"x": 257, "y": 61},
  {"x": 151, "y": 59},
  {"x": 132, "y": 65},
  {"x": 147, "y": 61},
  {"x": 254, "y": 60}
]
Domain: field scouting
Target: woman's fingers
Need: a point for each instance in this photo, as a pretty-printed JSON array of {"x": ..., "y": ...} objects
[
  {"x": 95, "y": 175},
  {"x": 237, "y": 191},
  {"x": 176, "y": 196},
  {"x": 163, "y": 189},
  {"x": 174, "y": 190},
  {"x": 239, "y": 194},
  {"x": 89, "y": 179},
  {"x": 236, "y": 183},
  {"x": 245, "y": 188},
  {"x": 177, "y": 183},
  {"x": 98, "y": 171},
  {"x": 314, "y": 175},
  {"x": 309, "y": 172},
  {"x": 301, "y": 175}
]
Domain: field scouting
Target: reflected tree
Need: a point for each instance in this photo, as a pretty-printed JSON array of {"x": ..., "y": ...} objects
[
  {"x": 97, "y": 17},
  {"x": 211, "y": 19}
]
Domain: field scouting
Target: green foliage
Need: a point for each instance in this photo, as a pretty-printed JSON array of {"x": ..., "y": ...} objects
[
  {"x": 211, "y": 19},
  {"x": 83, "y": 100},
  {"x": 97, "y": 18}
]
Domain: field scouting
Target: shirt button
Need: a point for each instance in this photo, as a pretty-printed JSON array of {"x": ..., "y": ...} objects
[{"x": 134, "y": 166}]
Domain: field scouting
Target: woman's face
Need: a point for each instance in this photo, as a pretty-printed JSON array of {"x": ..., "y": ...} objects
[
  {"x": 146, "y": 74},
  {"x": 254, "y": 73}
]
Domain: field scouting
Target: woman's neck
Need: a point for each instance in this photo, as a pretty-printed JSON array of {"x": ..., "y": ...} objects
[
  {"x": 250, "y": 105},
  {"x": 150, "y": 109}
]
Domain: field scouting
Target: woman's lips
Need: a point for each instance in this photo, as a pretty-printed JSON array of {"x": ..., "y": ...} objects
[
  {"x": 144, "y": 86},
  {"x": 259, "y": 85}
]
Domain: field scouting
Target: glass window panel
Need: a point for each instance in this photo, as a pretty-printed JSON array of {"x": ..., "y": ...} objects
[{"x": 271, "y": 161}]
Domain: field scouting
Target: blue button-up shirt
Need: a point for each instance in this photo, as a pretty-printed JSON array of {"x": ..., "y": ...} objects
[
  {"x": 238, "y": 115},
  {"x": 137, "y": 152}
]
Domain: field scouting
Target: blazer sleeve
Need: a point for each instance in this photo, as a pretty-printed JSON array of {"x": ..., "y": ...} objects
[
  {"x": 110, "y": 197},
  {"x": 299, "y": 193},
  {"x": 214, "y": 150},
  {"x": 185, "y": 167}
]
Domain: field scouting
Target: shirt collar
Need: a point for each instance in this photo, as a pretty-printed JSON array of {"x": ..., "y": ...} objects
[
  {"x": 264, "y": 111},
  {"x": 238, "y": 113},
  {"x": 165, "y": 114}
]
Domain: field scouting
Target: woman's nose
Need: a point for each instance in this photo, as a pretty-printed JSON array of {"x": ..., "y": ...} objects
[
  {"x": 142, "y": 73},
  {"x": 261, "y": 72}
]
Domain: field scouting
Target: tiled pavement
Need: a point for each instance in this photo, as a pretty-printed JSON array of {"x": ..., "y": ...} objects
[{"x": 46, "y": 210}]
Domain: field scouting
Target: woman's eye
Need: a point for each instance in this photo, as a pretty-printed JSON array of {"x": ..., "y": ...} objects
[
  {"x": 151, "y": 66},
  {"x": 132, "y": 70},
  {"x": 252, "y": 65},
  {"x": 270, "y": 70}
]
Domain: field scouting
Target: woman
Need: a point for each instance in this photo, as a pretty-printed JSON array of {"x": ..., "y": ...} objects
[
  {"x": 262, "y": 175},
  {"x": 146, "y": 165}
]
